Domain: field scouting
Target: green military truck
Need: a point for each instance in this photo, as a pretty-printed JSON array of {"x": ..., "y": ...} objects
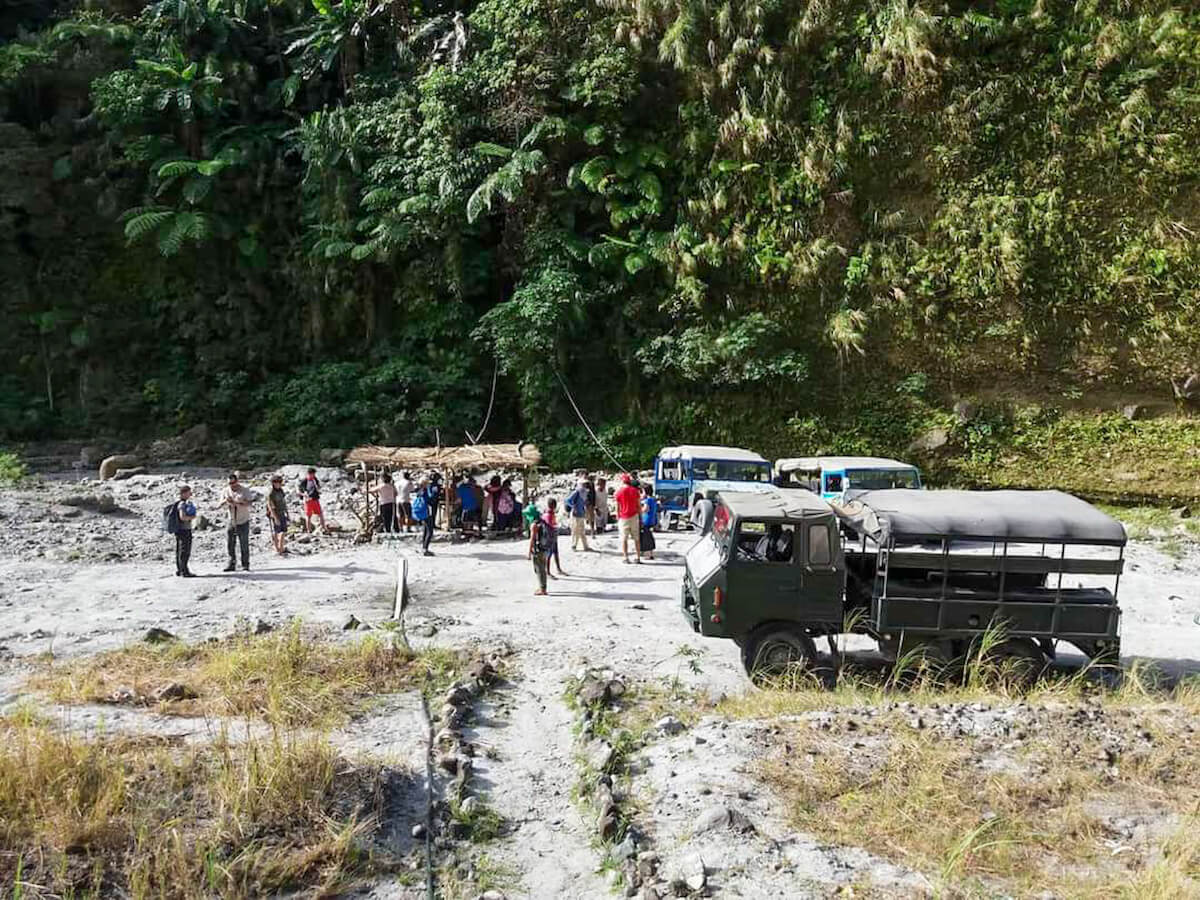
[{"x": 932, "y": 570}]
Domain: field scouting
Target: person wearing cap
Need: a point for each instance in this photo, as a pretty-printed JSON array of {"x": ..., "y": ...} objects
[
  {"x": 629, "y": 508},
  {"x": 538, "y": 542},
  {"x": 186, "y": 511},
  {"x": 277, "y": 512},
  {"x": 577, "y": 506},
  {"x": 238, "y": 499}
]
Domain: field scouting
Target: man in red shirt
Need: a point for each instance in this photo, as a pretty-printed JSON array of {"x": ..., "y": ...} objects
[{"x": 629, "y": 507}]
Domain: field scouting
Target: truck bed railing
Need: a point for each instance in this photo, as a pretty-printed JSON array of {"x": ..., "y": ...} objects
[{"x": 984, "y": 562}]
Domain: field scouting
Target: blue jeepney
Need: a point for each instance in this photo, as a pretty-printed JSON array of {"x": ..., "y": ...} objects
[
  {"x": 830, "y": 477},
  {"x": 681, "y": 472}
]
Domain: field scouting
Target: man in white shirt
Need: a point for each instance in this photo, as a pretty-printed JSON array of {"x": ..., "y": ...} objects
[
  {"x": 238, "y": 499},
  {"x": 404, "y": 500}
]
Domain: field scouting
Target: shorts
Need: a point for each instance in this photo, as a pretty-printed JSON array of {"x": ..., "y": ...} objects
[
  {"x": 472, "y": 515},
  {"x": 280, "y": 527},
  {"x": 629, "y": 527},
  {"x": 312, "y": 507}
]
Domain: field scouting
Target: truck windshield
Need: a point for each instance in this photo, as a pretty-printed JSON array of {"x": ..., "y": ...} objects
[
  {"x": 722, "y": 470},
  {"x": 882, "y": 479}
]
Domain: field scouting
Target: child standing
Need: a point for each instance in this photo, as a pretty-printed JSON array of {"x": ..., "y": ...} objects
[
  {"x": 551, "y": 521},
  {"x": 539, "y": 545}
]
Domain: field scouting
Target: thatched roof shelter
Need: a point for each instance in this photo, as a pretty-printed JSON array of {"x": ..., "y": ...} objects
[{"x": 474, "y": 456}]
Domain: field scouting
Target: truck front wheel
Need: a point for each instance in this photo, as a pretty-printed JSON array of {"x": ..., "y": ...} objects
[{"x": 775, "y": 655}]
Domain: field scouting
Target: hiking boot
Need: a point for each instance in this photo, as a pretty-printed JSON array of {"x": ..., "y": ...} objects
[
  {"x": 230, "y": 568},
  {"x": 188, "y": 574}
]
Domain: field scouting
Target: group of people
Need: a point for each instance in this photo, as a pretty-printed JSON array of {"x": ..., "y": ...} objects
[
  {"x": 416, "y": 502},
  {"x": 238, "y": 501},
  {"x": 588, "y": 507}
]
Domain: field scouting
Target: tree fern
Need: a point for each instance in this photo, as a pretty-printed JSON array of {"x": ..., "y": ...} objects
[{"x": 144, "y": 220}]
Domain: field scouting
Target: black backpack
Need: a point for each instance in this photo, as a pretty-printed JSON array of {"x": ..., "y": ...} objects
[
  {"x": 171, "y": 518},
  {"x": 545, "y": 540}
]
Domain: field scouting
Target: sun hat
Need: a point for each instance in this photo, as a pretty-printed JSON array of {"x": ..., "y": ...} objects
[
  {"x": 531, "y": 513},
  {"x": 627, "y": 478}
]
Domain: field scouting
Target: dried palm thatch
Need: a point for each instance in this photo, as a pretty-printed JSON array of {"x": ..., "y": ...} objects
[{"x": 476, "y": 457}]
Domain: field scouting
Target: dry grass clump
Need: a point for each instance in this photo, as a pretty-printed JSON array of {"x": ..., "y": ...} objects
[
  {"x": 287, "y": 677},
  {"x": 923, "y": 682},
  {"x": 144, "y": 817},
  {"x": 1077, "y": 801}
]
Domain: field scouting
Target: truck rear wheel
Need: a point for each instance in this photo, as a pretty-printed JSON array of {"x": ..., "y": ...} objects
[
  {"x": 1019, "y": 659},
  {"x": 775, "y": 653}
]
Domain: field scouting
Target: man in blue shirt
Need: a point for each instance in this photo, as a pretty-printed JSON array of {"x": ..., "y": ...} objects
[
  {"x": 186, "y": 510},
  {"x": 468, "y": 497},
  {"x": 577, "y": 506}
]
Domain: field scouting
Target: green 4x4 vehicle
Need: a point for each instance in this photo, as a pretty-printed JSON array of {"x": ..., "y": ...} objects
[{"x": 913, "y": 569}]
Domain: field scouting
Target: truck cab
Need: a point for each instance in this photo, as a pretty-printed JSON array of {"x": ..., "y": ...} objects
[
  {"x": 831, "y": 477},
  {"x": 772, "y": 559},
  {"x": 684, "y": 471}
]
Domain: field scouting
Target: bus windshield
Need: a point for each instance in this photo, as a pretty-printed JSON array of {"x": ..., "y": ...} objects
[{"x": 882, "y": 479}]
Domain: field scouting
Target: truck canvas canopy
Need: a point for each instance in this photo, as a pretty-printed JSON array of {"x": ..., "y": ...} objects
[{"x": 1015, "y": 516}]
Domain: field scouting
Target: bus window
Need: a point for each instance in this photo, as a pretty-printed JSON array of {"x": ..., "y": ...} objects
[
  {"x": 833, "y": 483},
  {"x": 882, "y": 479}
]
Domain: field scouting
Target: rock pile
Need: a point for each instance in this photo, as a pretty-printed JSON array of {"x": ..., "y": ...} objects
[
  {"x": 636, "y": 865},
  {"x": 453, "y": 754}
]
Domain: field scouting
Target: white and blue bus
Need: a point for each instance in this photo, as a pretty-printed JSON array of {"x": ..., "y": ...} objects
[
  {"x": 682, "y": 472},
  {"x": 829, "y": 477}
]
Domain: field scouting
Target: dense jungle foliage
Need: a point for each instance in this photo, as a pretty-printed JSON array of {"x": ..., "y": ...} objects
[{"x": 310, "y": 224}]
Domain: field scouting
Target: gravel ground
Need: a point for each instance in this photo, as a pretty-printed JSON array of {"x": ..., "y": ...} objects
[{"x": 75, "y": 580}]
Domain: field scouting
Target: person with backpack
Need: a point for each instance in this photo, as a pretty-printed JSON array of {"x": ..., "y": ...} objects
[
  {"x": 277, "y": 514},
  {"x": 310, "y": 493},
  {"x": 577, "y": 506},
  {"x": 178, "y": 519},
  {"x": 539, "y": 546},
  {"x": 423, "y": 511},
  {"x": 508, "y": 512}
]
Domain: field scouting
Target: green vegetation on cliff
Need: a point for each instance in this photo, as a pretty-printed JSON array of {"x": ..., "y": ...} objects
[{"x": 317, "y": 224}]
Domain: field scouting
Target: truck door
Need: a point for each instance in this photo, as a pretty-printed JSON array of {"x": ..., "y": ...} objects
[
  {"x": 821, "y": 572},
  {"x": 763, "y": 576}
]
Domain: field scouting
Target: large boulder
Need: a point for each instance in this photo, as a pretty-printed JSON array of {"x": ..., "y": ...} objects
[
  {"x": 195, "y": 438},
  {"x": 965, "y": 411},
  {"x": 930, "y": 442},
  {"x": 122, "y": 474},
  {"x": 111, "y": 464}
]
